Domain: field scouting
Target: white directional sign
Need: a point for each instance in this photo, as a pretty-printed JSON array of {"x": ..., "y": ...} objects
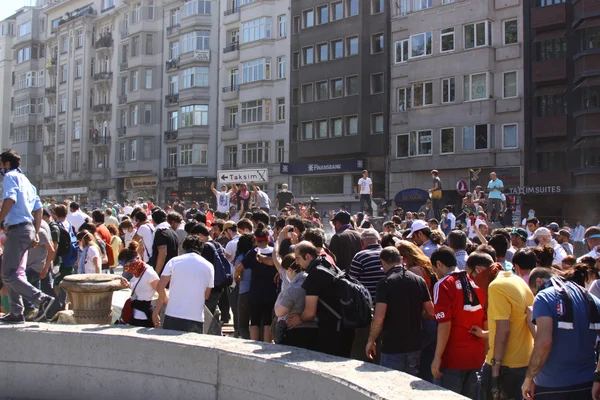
[{"x": 243, "y": 176}]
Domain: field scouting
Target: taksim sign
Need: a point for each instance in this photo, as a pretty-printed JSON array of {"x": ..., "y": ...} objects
[
  {"x": 524, "y": 190},
  {"x": 244, "y": 176}
]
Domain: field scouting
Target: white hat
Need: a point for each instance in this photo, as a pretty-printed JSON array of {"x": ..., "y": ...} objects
[
  {"x": 417, "y": 226},
  {"x": 540, "y": 232}
]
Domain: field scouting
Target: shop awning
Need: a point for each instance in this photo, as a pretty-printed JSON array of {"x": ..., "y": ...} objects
[
  {"x": 592, "y": 141},
  {"x": 589, "y": 23},
  {"x": 588, "y": 82},
  {"x": 546, "y": 147},
  {"x": 547, "y": 90},
  {"x": 555, "y": 34},
  {"x": 64, "y": 192}
]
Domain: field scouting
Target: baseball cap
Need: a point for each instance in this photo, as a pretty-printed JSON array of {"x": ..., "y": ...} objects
[
  {"x": 370, "y": 234},
  {"x": 565, "y": 232},
  {"x": 520, "y": 232},
  {"x": 229, "y": 225},
  {"x": 417, "y": 226},
  {"x": 342, "y": 217},
  {"x": 554, "y": 227},
  {"x": 539, "y": 232}
]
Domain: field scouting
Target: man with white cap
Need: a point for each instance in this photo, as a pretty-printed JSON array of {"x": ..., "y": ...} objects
[
  {"x": 419, "y": 234},
  {"x": 591, "y": 242},
  {"x": 544, "y": 237}
]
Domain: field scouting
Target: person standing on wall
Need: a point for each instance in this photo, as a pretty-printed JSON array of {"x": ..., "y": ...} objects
[
  {"x": 436, "y": 193},
  {"x": 365, "y": 188},
  {"x": 495, "y": 188}
]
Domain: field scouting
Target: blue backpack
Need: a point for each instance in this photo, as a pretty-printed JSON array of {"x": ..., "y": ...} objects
[
  {"x": 68, "y": 247},
  {"x": 222, "y": 266}
]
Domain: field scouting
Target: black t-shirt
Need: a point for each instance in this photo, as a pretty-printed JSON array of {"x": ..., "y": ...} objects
[
  {"x": 285, "y": 247},
  {"x": 179, "y": 209},
  {"x": 209, "y": 254},
  {"x": 164, "y": 237},
  {"x": 284, "y": 198},
  {"x": 439, "y": 182},
  {"x": 404, "y": 293},
  {"x": 263, "y": 289}
]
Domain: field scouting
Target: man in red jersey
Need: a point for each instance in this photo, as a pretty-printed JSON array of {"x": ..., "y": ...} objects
[{"x": 459, "y": 306}]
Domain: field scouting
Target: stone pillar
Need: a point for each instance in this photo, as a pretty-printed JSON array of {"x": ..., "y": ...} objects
[{"x": 91, "y": 296}]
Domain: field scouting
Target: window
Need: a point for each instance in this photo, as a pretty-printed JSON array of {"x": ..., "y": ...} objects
[
  {"x": 136, "y": 15},
  {"x": 78, "y": 100},
  {"x": 352, "y": 46},
  {"x": 352, "y": 125},
  {"x": 308, "y": 18},
  {"x": 173, "y": 50},
  {"x": 551, "y": 49},
  {"x": 590, "y": 38},
  {"x": 149, "y": 45},
  {"x": 150, "y": 9},
  {"x": 420, "y": 45},
  {"x": 336, "y": 127},
  {"x": 78, "y": 69},
  {"x": 63, "y": 103},
  {"x": 296, "y": 60},
  {"x": 377, "y": 6},
  {"x": 509, "y": 136},
  {"x": 133, "y": 150},
  {"x": 281, "y": 68},
  {"x": 135, "y": 46},
  {"x": 447, "y": 139},
  {"x": 377, "y": 83},
  {"x": 322, "y": 15},
  {"x": 195, "y": 115},
  {"x": 134, "y": 115},
  {"x": 337, "y": 11},
  {"x": 337, "y": 49},
  {"x": 23, "y": 107},
  {"x": 475, "y": 137},
  {"x": 148, "y": 78},
  {"x": 404, "y": 99},
  {"x": 24, "y": 29},
  {"x": 255, "y": 152},
  {"x": 556, "y": 104},
  {"x": 62, "y": 133},
  {"x": 544, "y": 3},
  {"x": 60, "y": 163},
  {"x": 134, "y": 80},
  {"x": 173, "y": 84},
  {"x": 401, "y": 51},
  {"x": 76, "y": 130},
  {"x": 422, "y": 94},
  {"x": 321, "y": 90},
  {"x": 252, "y": 111},
  {"x": 23, "y": 54},
  {"x": 75, "y": 161},
  {"x": 147, "y": 114},
  {"x": 510, "y": 32},
  {"x": 308, "y": 55},
  {"x": 509, "y": 85},
  {"x": 255, "y": 70},
  {"x": 80, "y": 38},
  {"x": 231, "y": 155},
  {"x": 175, "y": 17},
  {"x": 307, "y": 130},
  {"x": 419, "y": 5},
  {"x": 185, "y": 154},
  {"x": 416, "y": 143},
  {"x": 172, "y": 157},
  {"x": 351, "y": 8},
  {"x": 173, "y": 121},
  {"x": 281, "y": 109},
  {"x": 475, "y": 87},
  {"x": 198, "y": 40},
  {"x": 106, "y": 4},
  {"x": 122, "y": 157},
  {"x": 64, "y": 44},
  {"x": 256, "y": 30},
  {"x": 296, "y": 25},
  {"x": 377, "y": 123},
  {"x": 352, "y": 84},
  {"x": 280, "y": 148},
  {"x": 477, "y": 35},
  {"x": 192, "y": 7},
  {"x": 282, "y": 26},
  {"x": 64, "y": 72},
  {"x": 377, "y": 45},
  {"x": 322, "y": 52},
  {"x": 40, "y": 105},
  {"x": 307, "y": 93},
  {"x": 448, "y": 90},
  {"x": 447, "y": 40},
  {"x": 321, "y": 129},
  {"x": 232, "y": 112},
  {"x": 337, "y": 88}
]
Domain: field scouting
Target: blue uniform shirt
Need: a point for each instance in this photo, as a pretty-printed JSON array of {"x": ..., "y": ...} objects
[{"x": 17, "y": 187}]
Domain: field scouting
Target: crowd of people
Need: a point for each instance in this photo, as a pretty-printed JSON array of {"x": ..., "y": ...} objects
[{"x": 488, "y": 313}]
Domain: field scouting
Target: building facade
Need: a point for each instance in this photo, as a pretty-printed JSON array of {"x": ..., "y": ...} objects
[
  {"x": 457, "y": 97},
  {"x": 339, "y": 99},
  {"x": 254, "y": 84},
  {"x": 7, "y": 34}
]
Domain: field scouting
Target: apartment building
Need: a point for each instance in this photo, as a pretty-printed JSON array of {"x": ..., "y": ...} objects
[
  {"x": 191, "y": 47},
  {"x": 457, "y": 97},
  {"x": 254, "y": 85},
  {"x": 7, "y": 34},
  {"x": 340, "y": 80},
  {"x": 562, "y": 137}
]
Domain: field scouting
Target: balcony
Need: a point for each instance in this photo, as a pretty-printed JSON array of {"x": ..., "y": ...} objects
[
  {"x": 230, "y": 92},
  {"x": 229, "y": 132},
  {"x": 173, "y": 64},
  {"x": 549, "y": 16},
  {"x": 51, "y": 64},
  {"x": 102, "y": 111},
  {"x": 586, "y": 65},
  {"x": 585, "y": 9},
  {"x": 50, "y": 91},
  {"x": 101, "y": 141},
  {"x": 171, "y": 136},
  {"x": 231, "y": 47},
  {"x": 80, "y": 12},
  {"x": 122, "y": 99},
  {"x": 170, "y": 173},
  {"x": 588, "y": 123},
  {"x": 124, "y": 65},
  {"x": 195, "y": 57},
  {"x": 171, "y": 100},
  {"x": 231, "y": 11},
  {"x": 173, "y": 30},
  {"x": 122, "y": 131},
  {"x": 50, "y": 124},
  {"x": 549, "y": 126},
  {"x": 103, "y": 77},
  {"x": 550, "y": 71},
  {"x": 105, "y": 42}
]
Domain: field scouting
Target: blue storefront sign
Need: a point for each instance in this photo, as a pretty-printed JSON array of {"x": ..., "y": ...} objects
[
  {"x": 326, "y": 167},
  {"x": 411, "y": 199}
]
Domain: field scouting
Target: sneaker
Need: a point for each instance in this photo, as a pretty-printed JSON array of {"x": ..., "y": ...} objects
[
  {"x": 44, "y": 306},
  {"x": 12, "y": 319},
  {"x": 31, "y": 314}
]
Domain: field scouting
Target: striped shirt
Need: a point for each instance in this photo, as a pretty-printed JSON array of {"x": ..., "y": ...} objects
[{"x": 366, "y": 268}]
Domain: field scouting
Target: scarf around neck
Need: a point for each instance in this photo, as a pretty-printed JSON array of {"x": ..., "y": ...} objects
[
  {"x": 470, "y": 299},
  {"x": 136, "y": 267}
]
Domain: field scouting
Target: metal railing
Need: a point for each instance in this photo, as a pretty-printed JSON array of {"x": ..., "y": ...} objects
[
  {"x": 231, "y": 88},
  {"x": 172, "y": 64},
  {"x": 231, "y": 11},
  {"x": 229, "y": 127},
  {"x": 171, "y": 99},
  {"x": 103, "y": 76},
  {"x": 102, "y": 108},
  {"x": 171, "y": 136},
  {"x": 104, "y": 41},
  {"x": 231, "y": 47}
]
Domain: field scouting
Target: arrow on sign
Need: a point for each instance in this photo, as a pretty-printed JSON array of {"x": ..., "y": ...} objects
[{"x": 243, "y": 176}]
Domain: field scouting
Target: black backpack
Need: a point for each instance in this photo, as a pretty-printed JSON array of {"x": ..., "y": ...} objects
[
  {"x": 222, "y": 266},
  {"x": 67, "y": 245},
  {"x": 355, "y": 301}
]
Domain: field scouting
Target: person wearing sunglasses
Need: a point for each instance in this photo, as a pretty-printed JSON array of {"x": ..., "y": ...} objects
[{"x": 143, "y": 285}]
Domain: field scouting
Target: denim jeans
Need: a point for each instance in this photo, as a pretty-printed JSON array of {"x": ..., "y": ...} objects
[
  {"x": 576, "y": 392},
  {"x": 366, "y": 198},
  {"x": 428, "y": 349},
  {"x": 213, "y": 301},
  {"x": 184, "y": 325},
  {"x": 46, "y": 285},
  {"x": 459, "y": 381},
  {"x": 233, "y": 302},
  {"x": 243, "y": 306},
  {"x": 510, "y": 380},
  {"x": 403, "y": 362}
]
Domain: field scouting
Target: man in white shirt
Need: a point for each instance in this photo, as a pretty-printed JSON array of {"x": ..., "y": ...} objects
[
  {"x": 76, "y": 217},
  {"x": 191, "y": 279},
  {"x": 577, "y": 235},
  {"x": 592, "y": 242},
  {"x": 144, "y": 234},
  {"x": 544, "y": 237},
  {"x": 365, "y": 188},
  {"x": 127, "y": 209},
  {"x": 451, "y": 216},
  {"x": 223, "y": 198}
]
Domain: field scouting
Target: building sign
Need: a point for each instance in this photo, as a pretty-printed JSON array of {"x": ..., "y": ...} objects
[
  {"x": 525, "y": 190},
  {"x": 142, "y": 182},
  {"x": 329, "y": 167},
  {"x": 197, "y": 189},
  {"x": 410, "y": 195},
  {"x": 202, "y": 55},
  {"x": 461, "y": 187},
  {"x": 243, "y": 176},
  {"x": 64, "y": 192}
]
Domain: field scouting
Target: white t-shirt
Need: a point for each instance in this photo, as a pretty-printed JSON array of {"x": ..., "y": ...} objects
[
  {"x": 452, "y": 219},
  {"x": 147, "y": 235},
  {"x": 127, "y": 210},
  {"x": 365, "y": 185},
  {"x": 223, "y": 201},
  {"x": 143, "y": 290},
  {"x": 76, "y": 219},
  {"x": 129, "y": 236},
  {"x": 190, "y": 276},
  {"x": 89, "y": 267},
  {"x": 231, "y": 248}
]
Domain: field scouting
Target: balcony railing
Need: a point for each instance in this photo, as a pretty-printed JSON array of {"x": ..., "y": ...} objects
[
  {"x": 172, "y": 64},
  {"x": 229, "y": 127},
  {"x": 80, "y": 12},
  {"x": 231, "y": 11},
  {"x": 173, "y": 30},
  {"x": 122, "y": 131},
  {"x": 105, "y": 41},
  {"x": 124, "y": 65},
  {"x": 171, "y": 136},
  {"x": 100, "y": 140},
  {"x": 229, "y": 166},
  {"x": 50, "y": 91},
  {"x": 170, "y": 172},
  {"x": 231, "y": 88},
  {"x": 231, "y": 47},
  {"x": 102, "y": 108},
  {"x": 48, "y": 148},
  {"x": 49, "y": 120},
  {"x": 102, "y": 76},
  {"x": 171, "y": 99},
  {"x": 123, "y": 99}
]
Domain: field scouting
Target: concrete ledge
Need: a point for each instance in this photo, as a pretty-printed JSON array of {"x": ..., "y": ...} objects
[{"x": 106, "y": 362}]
